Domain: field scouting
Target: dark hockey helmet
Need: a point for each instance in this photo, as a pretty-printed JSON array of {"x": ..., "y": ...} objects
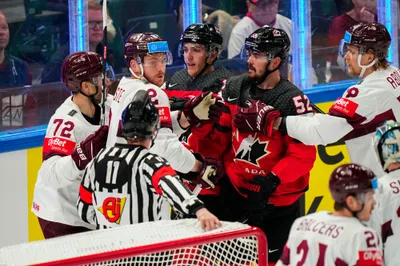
[
  {"x": 79, "y": 67},
  {"x": 203, "y": 33},
  {"x": 367, "y": 35},
  {"x": 140, "y": 118},
  {"x": 140, "y": 44},
  {"x": 350, "y": 179},
  {"x": 274, "y": 42}
]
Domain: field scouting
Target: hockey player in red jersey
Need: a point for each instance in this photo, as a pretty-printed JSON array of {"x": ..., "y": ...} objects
[
  {"x": 73, "y": 138},
  {"x": 364, "y": 106},
  {"x": 201, "y": 45},
  {"x": 338, "y": 238},
  {"x": 268, "y": 170},
  {"x": 127, "y": 184}
]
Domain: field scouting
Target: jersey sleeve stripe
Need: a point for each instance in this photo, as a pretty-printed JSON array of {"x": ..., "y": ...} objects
[
  {"x": 160, "y": 173},
  {"x": 85, "y": 195}
]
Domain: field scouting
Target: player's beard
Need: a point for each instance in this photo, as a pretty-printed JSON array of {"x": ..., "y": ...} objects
[
  {"x": 97, "y": 96},
  {"x": 352, "y": 72},
  {"x": 254, "y": 75}
]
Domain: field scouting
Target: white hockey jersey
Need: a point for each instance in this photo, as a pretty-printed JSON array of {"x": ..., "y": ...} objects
[
  {"x": 324, "y": 239},
  {"x": 57, "y": 185},
  {"x": 167, "y": 144},
  {"x": 355, "y": 116},
  {"x": 385, "y": 218}
]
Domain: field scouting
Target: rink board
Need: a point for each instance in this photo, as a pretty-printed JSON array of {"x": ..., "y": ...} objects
[{"x": 19, "y": 167}]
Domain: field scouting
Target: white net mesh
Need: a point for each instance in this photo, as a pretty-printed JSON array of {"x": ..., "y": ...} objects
[{"x": 176, "y": 242}]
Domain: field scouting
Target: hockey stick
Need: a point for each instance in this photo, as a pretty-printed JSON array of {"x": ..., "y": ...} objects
[
  {"x": 103, "y": 85},
  {"x": 316, "y": 108}
]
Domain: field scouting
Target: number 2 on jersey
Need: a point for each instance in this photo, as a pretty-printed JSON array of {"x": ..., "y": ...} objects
[{"x": 302, "y": 104}]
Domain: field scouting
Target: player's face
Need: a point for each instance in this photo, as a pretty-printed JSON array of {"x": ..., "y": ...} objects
[
  {"x": 351, "y": 58},
  {"x": 369, "y": 204},
  {"x": 154, "y": 67},
  {"x": 256, "y": 65},
  {"x": 4, "y": 32},
  {"x": 195, "y": 56},
  {"x": 95, "y": 21}
]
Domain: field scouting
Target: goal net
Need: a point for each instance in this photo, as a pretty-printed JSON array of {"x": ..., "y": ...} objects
[{"x": 168, "y": 242}]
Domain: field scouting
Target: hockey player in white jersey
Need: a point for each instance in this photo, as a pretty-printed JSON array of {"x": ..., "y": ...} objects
[
  {"x": 385, "y": 218},
  {"x": 147, "y": 55},
  {"x": 338, "y": 238},
  {"x": 363, "y": 107},
  {"x": 127, "y": 184},
  {"x": 73, "y": 138}
]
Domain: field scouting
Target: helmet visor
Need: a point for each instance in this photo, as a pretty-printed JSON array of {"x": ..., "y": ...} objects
[
  {"x": 158, "y": 48},
  {"x": 246, "y": 53}
]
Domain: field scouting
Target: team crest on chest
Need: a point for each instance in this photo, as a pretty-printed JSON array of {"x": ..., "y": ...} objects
[{"x": 251, "y": 150}]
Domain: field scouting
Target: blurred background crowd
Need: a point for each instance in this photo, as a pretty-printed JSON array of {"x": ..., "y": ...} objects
[{"x": 34, "y": 40}]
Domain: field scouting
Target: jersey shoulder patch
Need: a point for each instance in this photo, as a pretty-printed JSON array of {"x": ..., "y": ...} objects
[
  {"x": 344, "y": 107},
  {"x": 72, "y": 112}
]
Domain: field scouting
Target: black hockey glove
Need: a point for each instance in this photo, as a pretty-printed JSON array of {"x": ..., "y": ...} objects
[
  {"x": 257, "y": 204},
  {"x": 177, "y": 104}
]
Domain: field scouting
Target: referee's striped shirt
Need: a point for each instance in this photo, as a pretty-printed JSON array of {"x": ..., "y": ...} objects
[{"x": 127, "y": 184}]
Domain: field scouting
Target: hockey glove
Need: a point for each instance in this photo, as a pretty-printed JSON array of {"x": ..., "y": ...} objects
[
  {"x": 216, "y": 86},
  {"x": 257, "y": 117},
  {"x": 177, "y": 104},
  {"x": 215, "y": 112},
  {"x": 86, "y": 150},
  {"x": 196, "y": 109},
  {"x": 257, "y": 204},
  {"x": 211, "y": 172}
]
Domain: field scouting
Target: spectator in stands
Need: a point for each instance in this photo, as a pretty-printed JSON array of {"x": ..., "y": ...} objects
[
  {"x": 13, "y": 71},
  {"x": 363, "y": 11},
  {"x": 17, "y": 110},
  {"x": 260, "y": 13},
  {"x": 52, "y": 71},
  {"x": 225, "y": 22}
]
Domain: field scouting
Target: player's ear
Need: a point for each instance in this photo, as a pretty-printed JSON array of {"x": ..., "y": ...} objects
[
  {"x": 86, "y": 87},
  {"x": 370, "y": 56},
  {"x": 135, "y": 66},
  {"x": 275, "y": 62},
  {"x": 211, "y": 58},
  {"x": 352, "y": 202}
]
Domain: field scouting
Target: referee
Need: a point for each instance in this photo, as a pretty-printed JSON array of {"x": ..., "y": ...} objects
[{"x": 127, "y": 184}]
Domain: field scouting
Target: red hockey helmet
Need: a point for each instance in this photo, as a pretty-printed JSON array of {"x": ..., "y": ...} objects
[
  {"x": 368, "y": 35},
  {"x": 79, "y": 67},
  {"x": 350, "y": 179},
  {"x": 140, "y": 44}
]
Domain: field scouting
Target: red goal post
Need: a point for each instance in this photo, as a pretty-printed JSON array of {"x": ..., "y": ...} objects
[{"x": 175, "y": 242}]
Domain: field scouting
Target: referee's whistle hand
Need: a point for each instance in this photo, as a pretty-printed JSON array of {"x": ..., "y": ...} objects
[{"x": 207, "y": 220}]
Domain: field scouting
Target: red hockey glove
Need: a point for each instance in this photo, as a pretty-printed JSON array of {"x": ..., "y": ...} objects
[
  {"x": 86, "y": 150},
  {"x": 215, "y": 112},
  {"x": 196, "y": 109},
  {"x": 257, "y": 117},
  {"x": 211, "y": 172}
]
